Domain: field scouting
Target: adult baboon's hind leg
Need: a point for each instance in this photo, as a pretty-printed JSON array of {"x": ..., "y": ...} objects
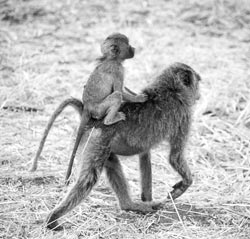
[
  {"x": 178, "y": 162},
  {"x": 89, "y": 171},
  {"x": 118, "y": 183},
  {"x": 146, "y": 176}
]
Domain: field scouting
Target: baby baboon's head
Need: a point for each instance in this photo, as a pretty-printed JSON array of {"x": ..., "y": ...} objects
[{"x": 116, "y": 47}]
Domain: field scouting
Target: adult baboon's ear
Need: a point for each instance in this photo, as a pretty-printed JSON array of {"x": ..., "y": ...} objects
[
  {"x": 186, "y": 77},
  {"x": 115, "y": 50}
]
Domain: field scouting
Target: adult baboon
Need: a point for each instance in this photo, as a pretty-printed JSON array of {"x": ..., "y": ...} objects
[{"x": 166, "y": 115}]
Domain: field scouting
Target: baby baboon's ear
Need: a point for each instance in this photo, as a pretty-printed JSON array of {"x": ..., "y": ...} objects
[{"x": 115, "y": 50}]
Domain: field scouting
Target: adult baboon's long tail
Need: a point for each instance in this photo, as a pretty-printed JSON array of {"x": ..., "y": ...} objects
[{"x": 77, "y": 104}]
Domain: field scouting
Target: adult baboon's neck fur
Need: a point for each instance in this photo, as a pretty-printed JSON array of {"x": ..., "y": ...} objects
[{"x": 166, "y": 90}]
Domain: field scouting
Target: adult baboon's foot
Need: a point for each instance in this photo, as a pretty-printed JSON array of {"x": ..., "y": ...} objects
[
  {"x": 143, "y": 207},
  {"x": 179, "y": 189},
  {"x": 52, "y": 224}
]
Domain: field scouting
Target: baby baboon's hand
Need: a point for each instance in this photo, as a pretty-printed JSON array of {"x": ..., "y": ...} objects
[
  {"x": 141, "y": 98},
  {"x": 122, "y": 115}
]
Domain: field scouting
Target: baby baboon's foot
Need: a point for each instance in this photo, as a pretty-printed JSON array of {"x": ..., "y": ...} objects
[
  {"x": 118, "y": 117},
  {"x": 121, "y": 116},
  {"x": 141, "y": 98}
]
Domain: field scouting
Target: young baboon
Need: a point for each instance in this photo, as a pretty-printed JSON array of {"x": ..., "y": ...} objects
[
  {"x": 166, "y": 115},
  {"x": 103, "y": 92}
]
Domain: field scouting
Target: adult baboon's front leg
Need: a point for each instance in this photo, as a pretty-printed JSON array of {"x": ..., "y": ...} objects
[
  {"x": 178, "y": 162},
  {"x": 118, "y": 183},
  {"x": 146, "y": 176},
  {"x": 90, "y": 167}
]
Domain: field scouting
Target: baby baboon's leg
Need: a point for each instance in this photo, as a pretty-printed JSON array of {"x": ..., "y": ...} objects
[
  {"x": 118, "y": 183},
  {"x": 178, "y": 162},
  {"x": 111, "y": 105},
  {"x": 89, "y": 171},
  {"x": 146, "y": 176}
]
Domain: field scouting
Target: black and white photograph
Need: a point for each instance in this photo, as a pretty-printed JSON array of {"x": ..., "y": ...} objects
[{"x": 124, "y": 119}]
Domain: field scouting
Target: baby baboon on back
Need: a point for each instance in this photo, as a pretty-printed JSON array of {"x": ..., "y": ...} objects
[
  {"x": 166, "y": 115},
  {"x": 103, "y": 92}
]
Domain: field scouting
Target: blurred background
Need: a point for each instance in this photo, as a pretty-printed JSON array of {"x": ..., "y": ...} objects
[{"x": 47, "y": 51}]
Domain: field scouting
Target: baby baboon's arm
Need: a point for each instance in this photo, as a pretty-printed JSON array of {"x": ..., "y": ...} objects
[
  {"x": 129, "y": 96},
  {"x": 134, "y": 98}
]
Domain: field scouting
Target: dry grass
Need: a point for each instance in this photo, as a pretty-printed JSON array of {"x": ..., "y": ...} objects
[{"x": 47, "y": 50}]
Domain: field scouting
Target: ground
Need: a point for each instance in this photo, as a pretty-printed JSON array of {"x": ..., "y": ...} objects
[{"x": 47, "y": 51}]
